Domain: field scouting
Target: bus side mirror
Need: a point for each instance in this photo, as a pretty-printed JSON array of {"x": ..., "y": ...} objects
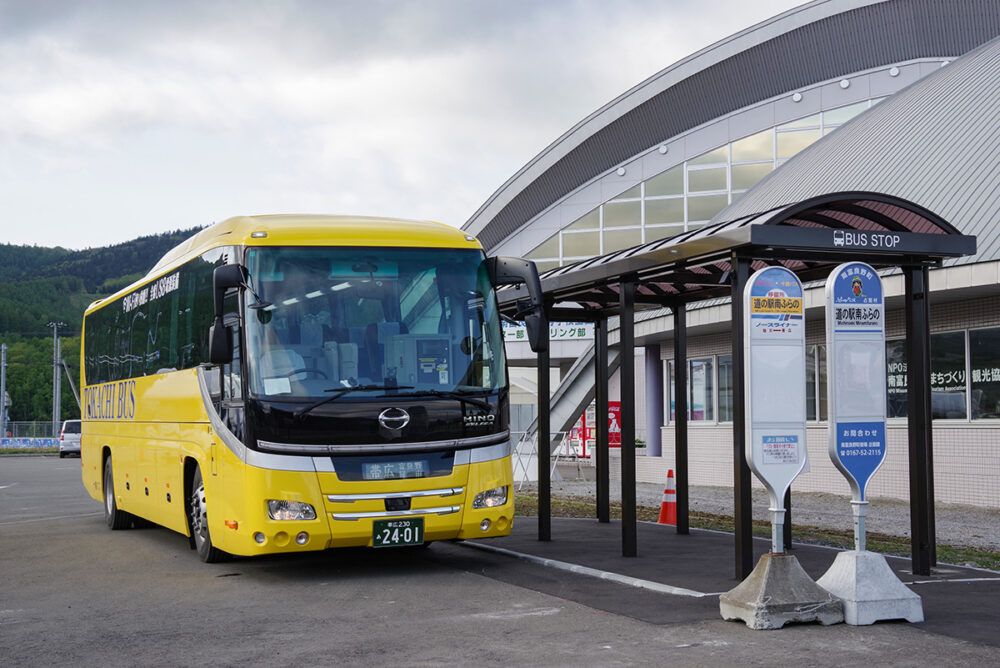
[
  {"x": 538, "y": 329},
  {"x": 220, "y": 340},
  {"x": 513, "y": 271},
  {"x": 220, "y": 343}
]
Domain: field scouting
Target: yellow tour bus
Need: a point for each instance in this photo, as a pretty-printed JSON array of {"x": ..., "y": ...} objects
[{"x": 293, "y": 383}]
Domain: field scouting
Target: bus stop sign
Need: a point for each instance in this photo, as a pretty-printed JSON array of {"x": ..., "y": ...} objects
[{"x": 855, "y": 322}]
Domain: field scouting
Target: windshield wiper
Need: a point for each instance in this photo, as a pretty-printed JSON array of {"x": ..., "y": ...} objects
[
  {"x": 338, "y": 392},
  {"x": 450, "y": 395}
]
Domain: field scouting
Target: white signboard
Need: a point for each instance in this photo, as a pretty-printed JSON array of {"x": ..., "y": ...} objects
[
  {"x": 558, "y": 331},
  {"x": 774, "y": 346}
]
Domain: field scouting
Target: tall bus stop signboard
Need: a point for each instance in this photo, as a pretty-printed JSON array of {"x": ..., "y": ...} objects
[
  {"x": 855, "y": 335},
  {"x": 778, "y": 590},
  {"x": 775, "y": 404},
  {"x": 856, "y": 395}
]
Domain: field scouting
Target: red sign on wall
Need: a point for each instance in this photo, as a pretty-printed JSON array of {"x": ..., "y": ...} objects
[{"x": 614, "y": 424}]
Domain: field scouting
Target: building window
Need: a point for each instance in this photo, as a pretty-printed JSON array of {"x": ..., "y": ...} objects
[
  {"x": 700, "y": 390},
  {"x": 895, "y": 377},
  {"x": 670, "y": 182},
  {"x": 619, "y": 239},
  {"x": 984, "y": 362},
  {"x": 816, "y": 382},
  {"x": 705, "y": 180},
  {"x": 725, "y": 388},
  {"x": 581, "y": 244},
  {"x": 948, "y": 377}
]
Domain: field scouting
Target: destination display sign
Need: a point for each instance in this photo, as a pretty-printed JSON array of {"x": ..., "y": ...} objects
[{"x": 775, "y": 305}]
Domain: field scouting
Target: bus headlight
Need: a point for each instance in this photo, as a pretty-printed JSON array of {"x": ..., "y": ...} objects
[
  {"x": 491, "y": 498},
  {"x": 290, "y": 510}
]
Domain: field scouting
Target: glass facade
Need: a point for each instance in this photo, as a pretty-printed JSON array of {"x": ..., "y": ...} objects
[{"x": 687, "y": 196}]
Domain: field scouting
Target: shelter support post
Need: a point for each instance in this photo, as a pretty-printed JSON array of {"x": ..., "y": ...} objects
[
  {"x": 544, "y": 446},
  {"x": 742, "y": 501},
  {"x": 681, "y": 417},
  {"x": 918, "y": 411},
  {"x": 627, "y": 370},
  {"x": 601, "y": 415}
]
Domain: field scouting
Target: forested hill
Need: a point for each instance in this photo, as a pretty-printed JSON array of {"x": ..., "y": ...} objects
[
  {"x": 93, "y": 266},
  {"x": 39, "y": 285},
  {"x": 42, "y": 285}
]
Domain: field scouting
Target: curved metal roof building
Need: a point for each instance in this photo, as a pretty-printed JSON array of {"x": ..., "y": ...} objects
[{"x": 673, "y": 152}]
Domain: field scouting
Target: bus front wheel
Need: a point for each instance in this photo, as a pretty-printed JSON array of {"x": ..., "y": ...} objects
[
  {"x": 198, "y": 521},
  {"x": 115, "y": 517}
]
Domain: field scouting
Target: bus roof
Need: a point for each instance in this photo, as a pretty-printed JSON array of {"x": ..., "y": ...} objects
[{"x": 307, "y": 230}]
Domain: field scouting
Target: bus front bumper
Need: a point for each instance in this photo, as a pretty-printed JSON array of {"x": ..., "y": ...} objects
[{"x": 351, "y": 514}]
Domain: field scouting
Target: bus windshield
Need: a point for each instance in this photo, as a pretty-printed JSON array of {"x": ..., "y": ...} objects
[{"x": 320, "y": 320}]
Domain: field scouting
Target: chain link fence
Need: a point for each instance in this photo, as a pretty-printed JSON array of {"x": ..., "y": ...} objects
[{"x": 29, "y": 435}]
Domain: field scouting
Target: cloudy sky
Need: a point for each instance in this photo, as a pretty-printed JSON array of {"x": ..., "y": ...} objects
[{"x": 119, "y": 119}]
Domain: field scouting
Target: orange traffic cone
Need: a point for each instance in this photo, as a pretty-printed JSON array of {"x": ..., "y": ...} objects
[{"x": 668, "y": 507}]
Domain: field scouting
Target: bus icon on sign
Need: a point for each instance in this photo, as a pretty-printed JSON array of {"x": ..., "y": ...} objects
[{"x": 838, "y": 237}]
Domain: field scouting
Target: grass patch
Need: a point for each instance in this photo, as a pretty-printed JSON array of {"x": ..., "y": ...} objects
[{"x": 576, "y": 506}]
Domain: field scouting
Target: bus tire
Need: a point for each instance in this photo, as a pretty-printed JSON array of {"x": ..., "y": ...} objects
[
  {"x": 197, "y": 507},
  {"x": 115, "y": 518}
]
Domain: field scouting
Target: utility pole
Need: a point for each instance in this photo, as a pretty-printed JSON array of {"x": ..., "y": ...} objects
[
  {"x": 56, "y": 377},
  {"x": 3, "y": 390},
  {"x": 72, "y": 385}
]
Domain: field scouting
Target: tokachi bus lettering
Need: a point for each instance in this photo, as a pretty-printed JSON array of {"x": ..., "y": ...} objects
[{"x": 111, "y": 401}]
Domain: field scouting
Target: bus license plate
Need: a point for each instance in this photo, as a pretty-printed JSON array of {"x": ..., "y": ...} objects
[{"x": 395, "y": 533}]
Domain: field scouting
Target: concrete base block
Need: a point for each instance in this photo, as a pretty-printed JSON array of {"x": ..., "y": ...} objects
[
  {"x": 870, "y": 590},
  {"x": 777, "y": 592}
]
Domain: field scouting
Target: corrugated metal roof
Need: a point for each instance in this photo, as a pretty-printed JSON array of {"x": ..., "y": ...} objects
[
  {"x": 838, "y": 38},
  {"x": 935, "y": 143}
]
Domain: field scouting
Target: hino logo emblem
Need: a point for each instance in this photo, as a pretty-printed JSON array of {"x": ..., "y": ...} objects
[{"x": 394, "y": 419}]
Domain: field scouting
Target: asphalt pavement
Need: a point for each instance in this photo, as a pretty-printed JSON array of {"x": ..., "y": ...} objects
[{"x": 74, "y": 592}]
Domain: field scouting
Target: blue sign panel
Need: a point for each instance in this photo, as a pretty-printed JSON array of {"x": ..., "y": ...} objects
[
  {"x": 855, "y": 330},
  {"x": 857, "y": 299},
  {"x": 861, "y": 450}
]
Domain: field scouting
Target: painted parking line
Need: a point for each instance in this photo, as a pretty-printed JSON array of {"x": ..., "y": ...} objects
[
  {"x": 592, "y": 572},
  {"x": 49, "y": 519},
  {"x": 950, "y": 581}
]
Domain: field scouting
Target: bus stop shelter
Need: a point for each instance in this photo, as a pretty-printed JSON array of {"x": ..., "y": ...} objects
[{"x": 809, "y": 238}]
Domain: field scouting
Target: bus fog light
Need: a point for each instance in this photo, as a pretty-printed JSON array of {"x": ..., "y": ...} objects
[
  {"x": 302, "y": 538},
  {"x": 280, "y": 509},
  {"x": 491, "y": 498},
  {"x": 259, "y": 537},
  {"x": 484, "y": 525}
]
